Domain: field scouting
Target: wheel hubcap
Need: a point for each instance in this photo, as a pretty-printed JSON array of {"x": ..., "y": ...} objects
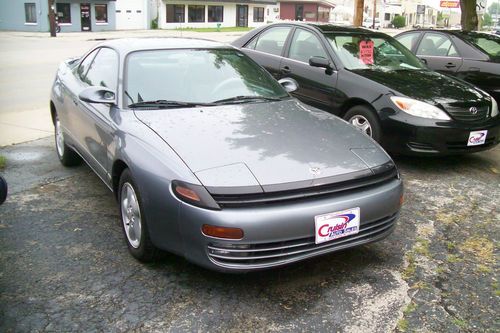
[
  {"x": 362, "y": 124},
  {"x": 59, "y": 138},
  {"x": 131, "y": 215}
]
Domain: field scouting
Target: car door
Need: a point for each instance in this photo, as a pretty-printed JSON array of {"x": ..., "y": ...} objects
[
  {"x": 95, "y": 126},
  {"x": 316, "y": 85},
  {"x": 268, "y": 47},
  {"x": 439, "y": 53}
]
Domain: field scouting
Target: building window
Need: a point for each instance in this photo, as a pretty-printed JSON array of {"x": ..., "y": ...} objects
[
  {"x": 258, "y": 14},
  {"x": 215, "y": 13},
  {"x": 30, "y": 11},
  {"x": 101, "y": 13},
  {"x": 387, "y": 16},
  {"x": 63, "y": 12},
  {"x": 175, "y": 14},
  {"x": 196, "y": 13}
]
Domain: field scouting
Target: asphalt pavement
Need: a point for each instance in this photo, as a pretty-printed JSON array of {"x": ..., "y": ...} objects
[{"x": 65, "y": 267}]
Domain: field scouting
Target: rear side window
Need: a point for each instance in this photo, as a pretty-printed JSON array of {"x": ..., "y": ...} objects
[
  {"x": 104, "y": 69},
  {"x": 305, "y": 45},
  {"x": 434, "y": 44},
  {"x": 409, "y": 40},
  {"x": 273, "y": 40}
]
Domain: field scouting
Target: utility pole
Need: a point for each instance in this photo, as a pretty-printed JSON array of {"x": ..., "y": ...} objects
[
  {"x": 52, "y": 18},
  {"x": 358, "y": 13},
  {"x": 374, "y": 13}
]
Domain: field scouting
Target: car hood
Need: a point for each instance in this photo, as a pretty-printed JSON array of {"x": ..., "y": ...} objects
[
  {"x": 257, "y": 147},
  {"x": 427, "y": 86}
]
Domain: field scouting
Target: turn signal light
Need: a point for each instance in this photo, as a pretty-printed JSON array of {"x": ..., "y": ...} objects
[
  {"x": 187, "y": 193},
  {"x": 222, "y": 232}
]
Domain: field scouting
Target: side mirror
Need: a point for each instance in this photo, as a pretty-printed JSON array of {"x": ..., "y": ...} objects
[
  {"x": 320, "y": 62},
  {"x": 289, "y": 84},
  {"x": 422, "y": 60},
  {"x": 97, "y": 94}
]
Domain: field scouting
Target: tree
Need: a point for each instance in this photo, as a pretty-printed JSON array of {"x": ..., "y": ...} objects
[
  {"x": 494, "y": 8},
  {"x": 468, "y": 19},
  {"x": 398, "y": 21},
  {"x": 358, "y": 13},
  {"x": 487, "y": 21}
]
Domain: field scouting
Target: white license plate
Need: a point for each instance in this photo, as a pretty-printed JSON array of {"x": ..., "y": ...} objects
[
  {"x": 477, "y": 138},
  {"x": 336, "y": 225}
]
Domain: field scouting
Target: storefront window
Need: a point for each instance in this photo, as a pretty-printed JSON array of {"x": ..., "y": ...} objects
[
  {"x": 215, "y": 13},
  {"x": 63, "y": 12},
  {"x": 258, "y": 14},
  {"x": 196, "y": 13},
  {"x": 101, "y": 13},
  {"x": 175, "y": 13}
]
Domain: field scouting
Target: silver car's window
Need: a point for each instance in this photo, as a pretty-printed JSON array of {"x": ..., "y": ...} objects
[
  {"x": 372, "y": 52},
  {"x": 488, "y": 43},
  {"x": 273, "y": 40},
  {"x": 85, "y": 64},
  {"x": 104, "y": 69},
  {"x": 305, "y": 45},
  {"x": 439, "y": 45},
  {"x": 196, "y": 76},
  {"x": 409, "y": 40}
]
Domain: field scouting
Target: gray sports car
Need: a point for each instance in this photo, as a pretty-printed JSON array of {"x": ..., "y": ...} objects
[{"x": 210, "y": 158}]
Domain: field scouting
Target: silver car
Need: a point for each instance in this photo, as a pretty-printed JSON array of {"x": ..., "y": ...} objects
[{"x": 210, "y": 158}]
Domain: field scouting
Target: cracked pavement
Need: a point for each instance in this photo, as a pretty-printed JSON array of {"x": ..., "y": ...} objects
[{"x": 64, "y": 264}]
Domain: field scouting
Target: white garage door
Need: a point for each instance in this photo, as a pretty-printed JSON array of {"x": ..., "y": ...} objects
[{"x": 130, "y": 14}]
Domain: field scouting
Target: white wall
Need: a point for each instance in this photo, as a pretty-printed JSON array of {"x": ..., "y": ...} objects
[{"x": 229, "y": 15}]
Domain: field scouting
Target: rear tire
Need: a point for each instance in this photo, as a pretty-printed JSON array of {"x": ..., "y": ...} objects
[
  {"x": 134, "y": 226},
  {"x": 365, "y": 120},
  {"x": 3, "y": 190},
  {"x": 65, "y": 154}
]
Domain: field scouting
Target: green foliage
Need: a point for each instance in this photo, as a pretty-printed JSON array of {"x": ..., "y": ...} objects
[
  {"x": 398, "y": 21},
  {"x": 3, "y": 162},
  {"x": 154, "y": 24},
  {"x": 487, "y": 20},
  {"x": 494, "y": 8}
]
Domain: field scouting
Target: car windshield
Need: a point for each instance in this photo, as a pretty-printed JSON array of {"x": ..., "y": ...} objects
[
  {"x": 489, "y": 44},
  {"x": 183, "y": 77},
  {"x": 372, "y": 52}
]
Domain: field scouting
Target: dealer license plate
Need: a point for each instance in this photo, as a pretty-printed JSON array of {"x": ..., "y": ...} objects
[
  {"x": 336, "y": 225},
  {"x": 477, "y": 138}
]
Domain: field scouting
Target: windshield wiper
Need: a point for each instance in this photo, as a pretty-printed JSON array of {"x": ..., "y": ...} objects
[
  {"x": 162, "y": 103},
  {"x": 245, "y": 99}
]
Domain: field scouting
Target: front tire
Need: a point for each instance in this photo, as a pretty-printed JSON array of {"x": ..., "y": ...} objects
[
  {"x": 65, "y": 154},
  {"x": 3, "y": 190},
  {"x": 365, "y": 120},
  {"x": 134, "y": 224}
]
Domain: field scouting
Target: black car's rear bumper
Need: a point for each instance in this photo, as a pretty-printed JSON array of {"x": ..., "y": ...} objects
[{"x": 406, "y": 134}]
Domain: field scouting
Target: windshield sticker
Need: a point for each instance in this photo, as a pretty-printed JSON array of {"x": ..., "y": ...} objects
[{"x": 366, "y": 52}]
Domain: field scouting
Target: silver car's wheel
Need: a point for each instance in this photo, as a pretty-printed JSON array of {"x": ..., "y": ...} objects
[
  {"x": 59, "y": 138},
  {"x": 131, "y": 215},
  {"x": 362, "y": 124},
  {"x": 66, "y": 155}
]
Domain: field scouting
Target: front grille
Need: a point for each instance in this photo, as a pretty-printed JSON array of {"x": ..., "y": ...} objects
[
  {"x": 254, "y": 256},
  {"x": 244, "y": 200},
  {"x": 463, "y": 113}
]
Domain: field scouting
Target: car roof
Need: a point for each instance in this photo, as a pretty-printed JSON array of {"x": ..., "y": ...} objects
[
  {"x": 127, "y": 45},
  {"x": 456, "y": 32}
]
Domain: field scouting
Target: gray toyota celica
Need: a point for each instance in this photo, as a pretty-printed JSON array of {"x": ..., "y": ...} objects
[{"x": 210, "y": 158}]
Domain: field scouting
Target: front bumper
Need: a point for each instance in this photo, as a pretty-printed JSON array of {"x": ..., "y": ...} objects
[
  {"x": 283, "y": 233},
  {"x": 406, "y": 134}
]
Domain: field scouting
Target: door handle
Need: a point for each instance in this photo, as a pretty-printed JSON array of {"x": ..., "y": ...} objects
[
  {"x": 75, "y": 102},
  {"x": 286, "y": 70},
  {"x": 450, "y": 65}
]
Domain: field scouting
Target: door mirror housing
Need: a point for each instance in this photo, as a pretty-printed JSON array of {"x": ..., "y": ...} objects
[
  {"x": 320, "y": 62},
  {"x": 98, "y": 94},
  {"x": 422, "y": 60},
  {"x": 290, "y": 85}
]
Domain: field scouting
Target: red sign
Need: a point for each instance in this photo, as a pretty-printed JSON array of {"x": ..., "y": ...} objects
[
  {"x": 449, "y": 4},
  {"x": 366, "y": 52}
]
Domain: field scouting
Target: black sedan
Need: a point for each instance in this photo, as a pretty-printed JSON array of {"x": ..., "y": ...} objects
[
  {"x": 471, "y": 56},
  {"x": 379, "y": 86}
]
